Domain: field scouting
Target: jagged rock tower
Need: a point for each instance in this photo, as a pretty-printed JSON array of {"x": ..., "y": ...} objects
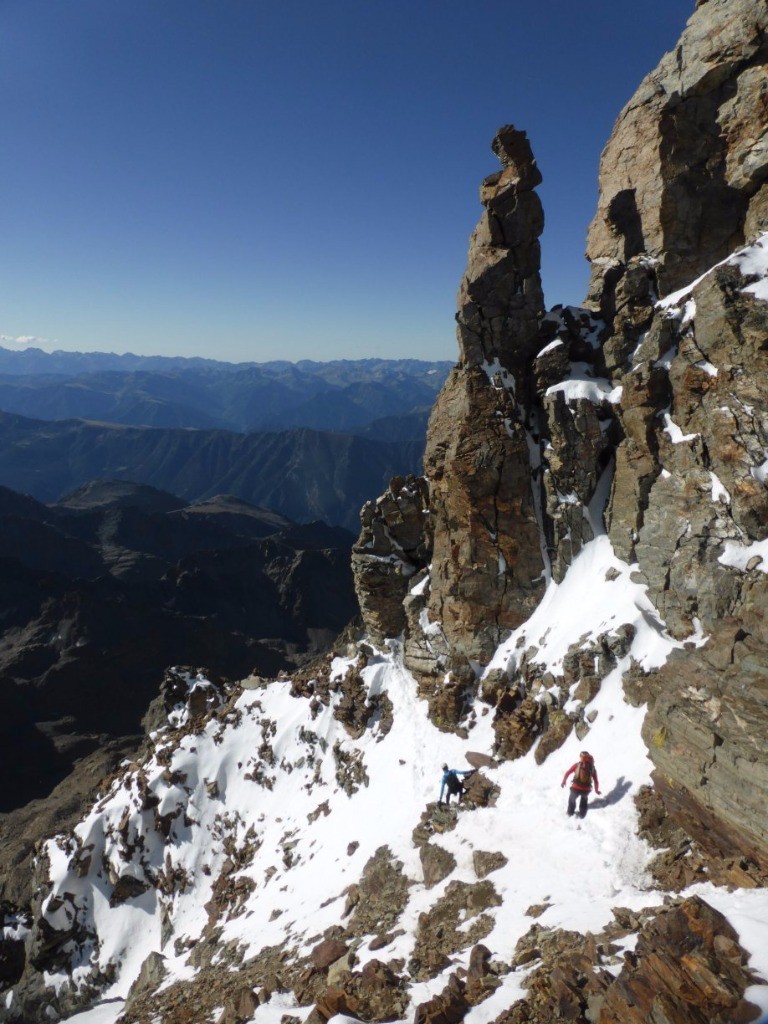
[
  {"x": 487, "y": 567},
  {"x": 481, "y": 514},
  {"x": 511, "y": 466}
]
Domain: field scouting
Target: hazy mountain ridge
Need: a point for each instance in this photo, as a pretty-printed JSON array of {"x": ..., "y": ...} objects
[
  {"x": 302, "y": 474},
  {"x": 71, "y": 364},
  {"x": 166, "y": 392}
]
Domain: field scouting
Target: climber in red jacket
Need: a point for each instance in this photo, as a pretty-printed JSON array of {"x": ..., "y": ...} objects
[{"x": 584, "y": 772}]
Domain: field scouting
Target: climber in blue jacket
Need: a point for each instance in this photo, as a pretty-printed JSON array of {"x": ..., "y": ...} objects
[{"x": 452, "y": 783}]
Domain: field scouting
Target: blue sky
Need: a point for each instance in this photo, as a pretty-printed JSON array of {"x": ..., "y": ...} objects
[{"x": 250, "y": 180}]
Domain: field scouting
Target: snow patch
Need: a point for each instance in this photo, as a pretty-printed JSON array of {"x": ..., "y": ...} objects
[
  {"x": 738, "y": 556},
  {"x": 496, "y": 372},
  {"x": 719, "y": 490},
  {"x": 676, "y": 435},
  {"x": 707, "y": 367},
  {"x": 582, "y": 383},
  {"x": 752, "y": 261},
  {"x": 557, "y": 343}
]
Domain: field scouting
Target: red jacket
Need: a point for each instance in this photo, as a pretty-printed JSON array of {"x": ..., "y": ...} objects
[{"x": 578, "y": 785}]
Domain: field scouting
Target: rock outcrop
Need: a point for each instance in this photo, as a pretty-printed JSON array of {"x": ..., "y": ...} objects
[
  {"x": 683, "y": 176},
  {"x": 705, "y": 733},
  {"x": 394, "y": 544},
  {"x": 687, "y": 967}
]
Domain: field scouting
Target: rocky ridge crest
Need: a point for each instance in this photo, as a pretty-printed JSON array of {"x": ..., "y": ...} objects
[{"x": 645, "y": 415}]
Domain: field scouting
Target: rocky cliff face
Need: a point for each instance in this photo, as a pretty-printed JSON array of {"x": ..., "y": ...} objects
[
  {"x": 477, "y": 459},
  {"x": 644, "y": 414},
  {"x": 684, "y": 183},
  {"x": 683, "y": 177}
]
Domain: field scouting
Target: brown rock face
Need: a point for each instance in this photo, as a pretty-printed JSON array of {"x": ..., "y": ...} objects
[
  {"x": 695, "y": 414},
  {"x": 689, "y": 487},
  {"x": 393, "y": 545},
  {"x": 683, "y": 176},
  {"x": 374, "y": 994},
  {"x": 683, "y": 183},
  {"x": 688, "y": 967},
  {"x": 486, "y": 559},
  {"x": 705, "y": 733}
]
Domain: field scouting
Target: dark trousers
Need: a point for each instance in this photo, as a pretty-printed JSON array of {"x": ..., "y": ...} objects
[
  {"x": 457, "y": 789},
  {"x": 581, "y": 796}
]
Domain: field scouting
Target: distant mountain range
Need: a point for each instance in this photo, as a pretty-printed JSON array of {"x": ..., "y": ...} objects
[
  {"x": 302, "y": 474},
  {"x": 343, "y": 395},
  {"x": 101, "y": 591}
]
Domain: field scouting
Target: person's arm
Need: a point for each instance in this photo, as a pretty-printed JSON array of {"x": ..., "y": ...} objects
[
  {"x": 570, "y": 770},
  {"x": 594, "y": 776}
]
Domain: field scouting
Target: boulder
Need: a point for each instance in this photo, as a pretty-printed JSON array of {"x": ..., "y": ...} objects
[
  {"x": 374, "y": 994},
  {"x": 327, "y": 952},
  {"x": 485, "y": 862},
  {"x": 687, "y": 967},
  {"x": 436, "y": 863}
]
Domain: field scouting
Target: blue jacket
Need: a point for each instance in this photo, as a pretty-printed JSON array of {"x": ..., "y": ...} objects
[{"x": 446, "y": 775}]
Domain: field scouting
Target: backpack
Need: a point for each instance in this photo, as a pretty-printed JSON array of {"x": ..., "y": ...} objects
[
  {"x": 583, "y": 774},
  {"x": 453, "y": 783}
]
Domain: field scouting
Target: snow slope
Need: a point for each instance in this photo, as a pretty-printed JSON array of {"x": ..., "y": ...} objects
[
  {"x": 276, "y": 782},
  {"x": 224, "y": 789}
]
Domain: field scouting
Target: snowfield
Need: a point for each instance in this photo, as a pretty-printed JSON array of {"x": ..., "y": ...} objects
[{"x": 218, "y": 792}]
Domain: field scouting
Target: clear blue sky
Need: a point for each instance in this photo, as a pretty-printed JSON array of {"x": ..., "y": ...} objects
[{"x": 293, "y": 179}]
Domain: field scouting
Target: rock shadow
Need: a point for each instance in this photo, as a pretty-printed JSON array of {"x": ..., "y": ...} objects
[{"x": 625, "y": 220}]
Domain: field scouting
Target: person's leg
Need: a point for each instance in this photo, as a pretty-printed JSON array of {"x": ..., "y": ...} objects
[
  {"x": 572, "y": 801},
  {"x": 583, "y": 805}
]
